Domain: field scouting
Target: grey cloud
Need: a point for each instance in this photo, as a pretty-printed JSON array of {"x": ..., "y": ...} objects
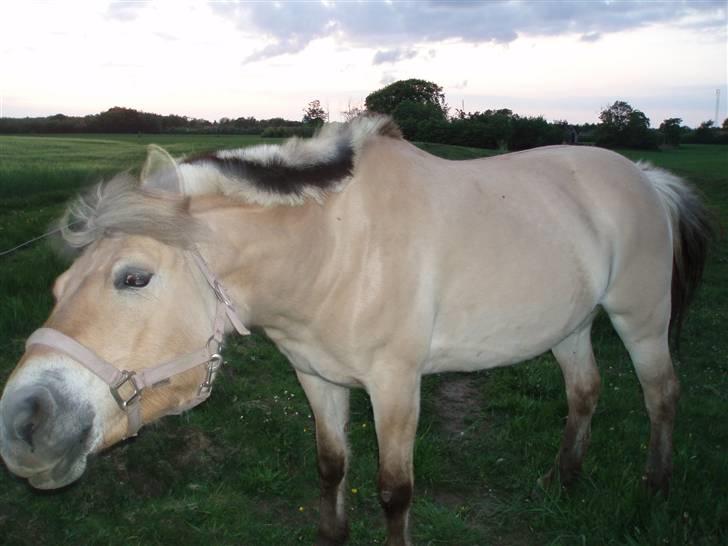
[
  {"x": 591, "y": 37},
  {"x": 290, "y": 45},
  {"x": 393, "y": 55},
  {"x": 398, "y": 25}
]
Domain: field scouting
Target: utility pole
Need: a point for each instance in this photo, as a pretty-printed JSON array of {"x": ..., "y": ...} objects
[{"x": 717, "y": 105}]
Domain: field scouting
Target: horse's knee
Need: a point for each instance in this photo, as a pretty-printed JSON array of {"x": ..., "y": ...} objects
[
  {"x": 331, "y": 467},
  {"x": 395, "y": 494}
]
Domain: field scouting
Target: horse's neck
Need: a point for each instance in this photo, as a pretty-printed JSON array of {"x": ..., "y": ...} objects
[{"x": 268, "y": 258}]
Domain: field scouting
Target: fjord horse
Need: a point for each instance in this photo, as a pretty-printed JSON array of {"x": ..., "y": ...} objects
[{"x": 369, "y": 263}]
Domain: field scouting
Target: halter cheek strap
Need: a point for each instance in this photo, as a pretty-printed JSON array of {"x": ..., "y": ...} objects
[{"x": 127, "y": 386}]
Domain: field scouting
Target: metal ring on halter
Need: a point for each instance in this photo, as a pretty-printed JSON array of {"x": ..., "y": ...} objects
[
  {"x": 212, "y": 367},
  {"x": 126, "y": 377},
  {"x": 218, "y": 347}
]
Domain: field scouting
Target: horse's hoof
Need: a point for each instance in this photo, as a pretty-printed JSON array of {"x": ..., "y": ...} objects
[
  {"x": 657, "y": 485},
  {"x": 543, "y": 484}
]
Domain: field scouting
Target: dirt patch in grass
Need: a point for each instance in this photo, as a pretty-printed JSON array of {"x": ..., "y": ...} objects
[
  {"x": 458, "y": 401},
  {"x": 196, "y": 448},
  {"x": 174, "y": 455}
]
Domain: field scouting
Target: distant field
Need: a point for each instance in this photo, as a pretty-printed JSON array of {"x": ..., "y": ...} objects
[{"x": 240, "y": 469}]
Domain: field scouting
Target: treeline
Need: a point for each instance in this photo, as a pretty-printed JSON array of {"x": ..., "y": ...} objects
[
  {"x": 128, "y": 120},
  {"x": 419, "y": 107},
  {"x": 498, "y": 129}
]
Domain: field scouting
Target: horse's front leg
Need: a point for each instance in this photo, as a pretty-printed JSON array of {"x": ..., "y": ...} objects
[
  {"x": 396, "y": 403},
  {"x": 330, "y": 405}
]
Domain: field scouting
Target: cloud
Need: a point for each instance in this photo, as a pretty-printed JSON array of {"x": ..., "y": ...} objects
[
  {"x": 393, "y": 55},
  {"x": 591, "y": 37},
  {"x": 290, "y": 27},
  {"x": 166, "y": 36},
  {"x": 387, "y": 78},
  {"x": 125, "y": 11}
]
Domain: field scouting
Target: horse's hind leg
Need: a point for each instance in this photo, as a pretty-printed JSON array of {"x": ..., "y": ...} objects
[
  {"x": 581, "y": 377},
  {"x": 645, "y": 336},
  {"x": 330, "y": 405}
]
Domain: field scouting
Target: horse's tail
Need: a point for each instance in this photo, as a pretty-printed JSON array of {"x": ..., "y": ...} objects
[{"x": 693, "y": 230}]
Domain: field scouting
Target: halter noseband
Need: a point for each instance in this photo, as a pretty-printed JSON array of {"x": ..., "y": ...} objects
[{"x": 127, "y": 386}]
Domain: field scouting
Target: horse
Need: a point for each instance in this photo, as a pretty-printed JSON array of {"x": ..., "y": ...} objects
[{"x": 368, "y": 263}]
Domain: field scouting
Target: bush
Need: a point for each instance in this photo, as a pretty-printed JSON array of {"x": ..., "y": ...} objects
[
  {"x": 707, "y": 133},
  {"x": 288, "y": 132},
  {"x": 534, "y": 132}
]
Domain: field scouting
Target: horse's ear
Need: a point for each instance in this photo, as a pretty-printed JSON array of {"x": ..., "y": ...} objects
[{"x": 160, "y": 172}]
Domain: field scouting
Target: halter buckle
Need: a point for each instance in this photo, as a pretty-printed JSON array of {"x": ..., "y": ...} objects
[
  {"x": 123, "y": 400},
  {"x": 221, "y": 294},
  {"x": 213, "y": 365}
]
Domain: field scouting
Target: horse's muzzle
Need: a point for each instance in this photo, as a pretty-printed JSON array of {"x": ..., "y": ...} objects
[{"x": 44, "y": 434}]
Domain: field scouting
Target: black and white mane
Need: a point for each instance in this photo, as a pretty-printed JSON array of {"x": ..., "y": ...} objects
[
  {"x": 289, "y": 173},
  {"x": 269, "y": 175}
]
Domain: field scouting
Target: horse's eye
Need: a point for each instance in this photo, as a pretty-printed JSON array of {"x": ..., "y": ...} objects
[{"x": 133, "y": 278}]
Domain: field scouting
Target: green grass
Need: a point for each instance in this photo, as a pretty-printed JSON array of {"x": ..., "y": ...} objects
[{"x": 240, "y": 469}]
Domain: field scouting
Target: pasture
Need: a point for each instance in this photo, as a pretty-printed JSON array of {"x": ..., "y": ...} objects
[{"x": 240, "y": 469}]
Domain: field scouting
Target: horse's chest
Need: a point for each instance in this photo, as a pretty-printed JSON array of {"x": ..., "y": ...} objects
[{"x": 314, "y": 359}]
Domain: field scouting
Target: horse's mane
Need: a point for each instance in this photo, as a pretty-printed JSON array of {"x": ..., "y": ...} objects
[{"x": 286, "y": 174}]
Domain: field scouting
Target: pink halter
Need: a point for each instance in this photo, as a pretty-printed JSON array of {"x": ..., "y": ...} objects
[{"x": 127, "y": 386}]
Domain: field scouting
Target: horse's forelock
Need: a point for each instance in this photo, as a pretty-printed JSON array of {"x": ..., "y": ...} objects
[{"x": 119, "y": 205}]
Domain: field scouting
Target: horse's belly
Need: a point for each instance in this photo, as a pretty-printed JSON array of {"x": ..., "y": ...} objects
[
  {"x": 472, "y": 350},
  {"x": 490, "y": 341},
  {"x": 504, "y": 317}
]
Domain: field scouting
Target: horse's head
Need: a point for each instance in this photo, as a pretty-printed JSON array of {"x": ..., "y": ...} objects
[{"x": 130, "y": 299}]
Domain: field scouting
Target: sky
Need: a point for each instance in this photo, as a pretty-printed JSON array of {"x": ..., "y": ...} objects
[{"x": 564, "y": 60}]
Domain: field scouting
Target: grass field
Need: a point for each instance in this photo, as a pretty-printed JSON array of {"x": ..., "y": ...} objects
[{"x": 240, "y": 469}]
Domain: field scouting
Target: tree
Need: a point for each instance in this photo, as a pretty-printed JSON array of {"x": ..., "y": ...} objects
[
  {"x": 352, "y": 112},
  {"x": 411, "y": 117},
  {"x": 387, "y": 99},
  {"x": 672, "y": 131},
  {"x": 314, "y": 114},
  {"x": 706, "y": 133},
  {"x": 616, "y": 117},
  {"x": 622, "y": 125},
  {"x": 725, "y": 124}
]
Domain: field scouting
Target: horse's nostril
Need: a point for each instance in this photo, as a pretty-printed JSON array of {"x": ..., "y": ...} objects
[
  {"x": 31, "y": 410},
  {"x": 26, "y": 434}
]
